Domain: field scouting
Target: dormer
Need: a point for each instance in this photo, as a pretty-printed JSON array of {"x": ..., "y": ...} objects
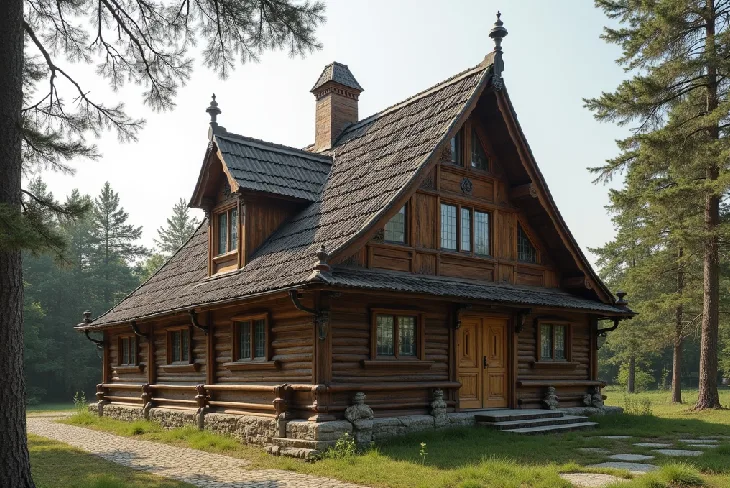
[{"x": 248, "y": 188}]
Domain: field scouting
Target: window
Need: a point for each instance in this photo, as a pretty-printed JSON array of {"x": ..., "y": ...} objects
[
  {"x": 178, "y": 346},
  {"x": 553, "y": 342},
  {"x": 227, "y": 231},
  {"x": 396, "y": 336},
  {"x": 479, "y": 158},
  {"x": 395, "y": 229},
  {"x": 456, "y": 149},
  {"x": 127, "y": 351},
  {"x": 481, "y": 233},
  {"x": 251, "y": 337},
  {"x": 526, "y": 252},
  {"x": 448, "y": 227},
  {"x": 471, "y": 234}
]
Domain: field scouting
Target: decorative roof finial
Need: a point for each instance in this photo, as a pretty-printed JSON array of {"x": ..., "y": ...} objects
[
  {"x": 214, "y": 112},
  {"x": 498, "y": 33},
  {"x": 621, "y": 302},
  {"x": 87, "y": 317},
  {"x": 322, "y": 256}
]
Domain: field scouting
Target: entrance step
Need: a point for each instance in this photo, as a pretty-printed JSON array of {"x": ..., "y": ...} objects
[
  {"x": 491, "y": 416},
  {"x": 530, "y": 423}
]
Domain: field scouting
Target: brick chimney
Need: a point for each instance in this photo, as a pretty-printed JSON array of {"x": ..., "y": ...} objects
[{"x": 336, "y": 92}]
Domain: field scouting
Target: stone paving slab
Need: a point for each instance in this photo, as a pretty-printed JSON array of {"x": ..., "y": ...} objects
[
  {"x": 703, "y": 446},
  {"x": 678, "y": 452},
  {"x": 591, "y": 480},
  {"x": 192, "y": 466},
  {"x": 630, "y": 457},
  {"x": 595, "y": 450},
  {"x": 699, "y": 441},
  {"x": 633, "y": 468},
  {"x": 652, "y": 444},
  {"x": 615, "y": 437}
]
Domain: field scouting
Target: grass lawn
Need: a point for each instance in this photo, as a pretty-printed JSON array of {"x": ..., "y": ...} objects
[
  {"x": 50, "y": 407},
  {"x": 57, "y": 465},
  {"x": 470, "y": 458}
]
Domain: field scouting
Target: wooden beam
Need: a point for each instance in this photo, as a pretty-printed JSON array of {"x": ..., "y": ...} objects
[
  {"x": 576, "y": 282},
  {"x": 528, "y": 190}
]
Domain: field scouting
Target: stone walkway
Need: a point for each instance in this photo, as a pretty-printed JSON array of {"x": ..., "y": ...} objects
[{"x": 189, "y": 465}]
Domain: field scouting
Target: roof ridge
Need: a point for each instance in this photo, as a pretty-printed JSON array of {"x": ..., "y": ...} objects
[
  {"x": 280, "y": 148},
  {"x": 439, "y": 86}
]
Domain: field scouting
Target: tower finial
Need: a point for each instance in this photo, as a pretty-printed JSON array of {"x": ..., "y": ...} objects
[
  {"x": 214, "y": 112},
  {"x": 498, "y": 33}
]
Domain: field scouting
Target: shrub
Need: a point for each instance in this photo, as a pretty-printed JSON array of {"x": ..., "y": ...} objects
[
  {"x": 637, "y": 406},
  {"x": 345, "y": 448},
  {"x": 80, "y": 403}
]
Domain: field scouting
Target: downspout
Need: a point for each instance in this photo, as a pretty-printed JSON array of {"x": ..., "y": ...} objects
[{"x": 195, "y": 323}]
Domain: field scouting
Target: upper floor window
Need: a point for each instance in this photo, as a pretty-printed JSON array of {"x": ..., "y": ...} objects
[
  {"x": 227, "y": 231},
  {"x": 396, "y": 336},
  {"x": 178, "y": 345},
  {"x": 526, "y": 251},
  {"x": 469, "y": 233},
  {"x": 251, "y": 339},
  {"x": 553, "y": 342},
  {"x": 395, "y": 229},
  {"x": 479, "y": 158},
  {"x": 128, "y": 351},
  {"x": 456, "y": 151}
]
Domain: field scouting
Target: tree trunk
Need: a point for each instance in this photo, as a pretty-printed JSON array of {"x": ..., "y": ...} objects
[
  {"x": 678, "y": 334},
  {"x": 631, "y": 381},
  {"x": 14, "y": 461},
  {"x": 708, "y": 394}
]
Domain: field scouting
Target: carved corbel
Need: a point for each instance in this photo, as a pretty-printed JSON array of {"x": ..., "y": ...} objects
[{"x": 521, "y": 319}]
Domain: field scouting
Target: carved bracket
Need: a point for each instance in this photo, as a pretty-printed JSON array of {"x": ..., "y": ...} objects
[
  {"x": 99, "y": 343},
  {"x": 521, "y": 318}
]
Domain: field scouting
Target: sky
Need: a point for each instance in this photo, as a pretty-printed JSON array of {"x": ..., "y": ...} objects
[{"x": 553, "y": 59}]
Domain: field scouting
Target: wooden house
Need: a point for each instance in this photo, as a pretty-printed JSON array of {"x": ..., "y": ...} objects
[{"x": 410, "y": 254}]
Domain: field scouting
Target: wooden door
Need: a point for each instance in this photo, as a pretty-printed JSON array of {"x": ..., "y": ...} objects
[
  {"x": 496, "y": 385},
  {"x": 469, "y": 361},
  {"x": 482, "y": 359}
]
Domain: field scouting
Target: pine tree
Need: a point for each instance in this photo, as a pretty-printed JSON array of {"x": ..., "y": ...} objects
[
  {"x": 679, "y": 101},
  {"x": 115, "y": 247},
  {"x": 180, "y": 226}
]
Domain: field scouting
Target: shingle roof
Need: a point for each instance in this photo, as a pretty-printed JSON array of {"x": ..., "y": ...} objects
[
  {"x": 262, "y": 166},
  {"x": 338, "y": 73},
  {"x": 462, "y": 289},
  {"x": 372, "y": 163}
]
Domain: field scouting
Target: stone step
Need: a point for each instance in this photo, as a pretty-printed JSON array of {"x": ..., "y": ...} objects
[
  {"x": 528, "y": 423},
  {"x": 554, "y": 429},
  {"x": 285, "y": 442},
  {"x": 509, "y": 415}
]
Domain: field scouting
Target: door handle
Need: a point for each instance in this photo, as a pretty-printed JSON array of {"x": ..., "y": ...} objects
[{"x": 484, "y": 362}]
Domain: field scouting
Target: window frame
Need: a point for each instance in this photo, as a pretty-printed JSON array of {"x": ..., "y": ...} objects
[
  {"x": 168, "y": 339},
  {"x": 457, "y": 156},
  {"x": 568, "y": 340},
  {"x": 473, "y": 209},
  {"x": 476, "y": 138},
  {"x": 529, "y": 237},
  {"x": 215, "y": 242},
  {"x": 121, "y": 347},
  {"x": 395, "y": 313},
  {"x": 236, "y": 355},
  {"x": 406, "y": 216}
]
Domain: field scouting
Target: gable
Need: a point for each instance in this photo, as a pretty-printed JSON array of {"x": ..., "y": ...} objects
[{"x": 513, "y": 194}]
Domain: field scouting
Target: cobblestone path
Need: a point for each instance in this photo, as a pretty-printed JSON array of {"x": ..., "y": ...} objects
[{"x": 198, "y": 468}]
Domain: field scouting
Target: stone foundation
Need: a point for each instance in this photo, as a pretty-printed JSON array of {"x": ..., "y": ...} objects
[{"x": 604, "y": 410}]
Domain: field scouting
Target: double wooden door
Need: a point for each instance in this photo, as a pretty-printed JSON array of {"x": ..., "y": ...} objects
[{"x": 481, "y": 352}]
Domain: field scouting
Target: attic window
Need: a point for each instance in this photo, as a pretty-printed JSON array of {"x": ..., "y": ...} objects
[
  {"x": 227, "y": 231},
  {"x": 456, "y": 149},
  {"x": 526, "y": 251},
  {"x": 479, "y": 158},
  {"x": 395, "y": 229}
]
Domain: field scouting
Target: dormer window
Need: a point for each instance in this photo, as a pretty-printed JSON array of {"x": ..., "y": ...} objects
[
  {"x": 479, "y": 158},
  {"x": 395, "y": 229},
  {"x": 227, "y": 231},
  {"x": 456, "y": 151}
]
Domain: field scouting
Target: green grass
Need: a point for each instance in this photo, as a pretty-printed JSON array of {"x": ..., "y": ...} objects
[
  {"x": 474, "y": 457},
  {"x": 50, "y": 407},
  {"x": 58, "y": 465}
]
